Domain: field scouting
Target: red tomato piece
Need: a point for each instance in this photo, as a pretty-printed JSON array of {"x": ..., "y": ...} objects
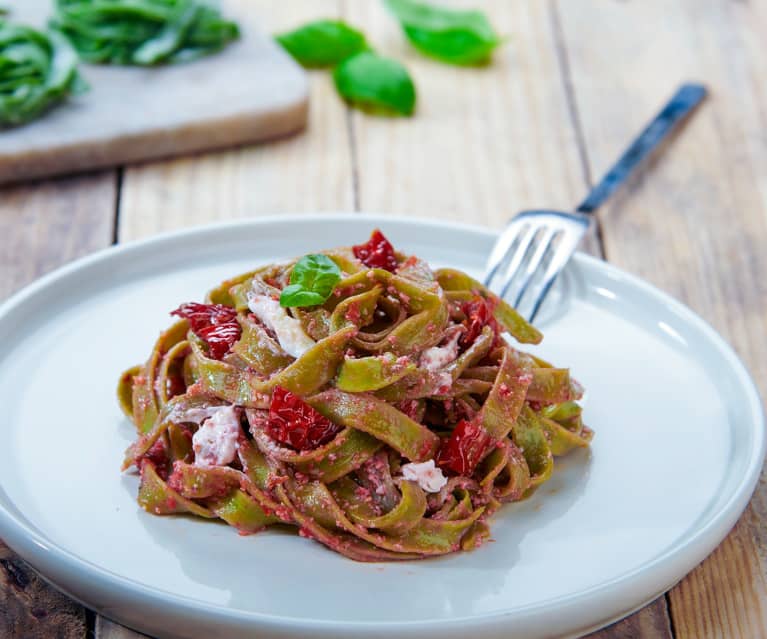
[
  {"x": 411, "y": 408},
  {"x": 215, "y": 324},
  {"x": 202, "y": 315},
  {"x": 479, "y": 313},
  {"x": 293, "y": 422},
  {"x": 157, "y": 455},
  {"x": 377, "y": 253},
  {"x": 465, "y": 447},
  {"x": 220, "y": 338}
]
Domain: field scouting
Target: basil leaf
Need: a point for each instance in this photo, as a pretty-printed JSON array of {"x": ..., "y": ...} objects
[
  {"x": 322, "y": 43},
  {"x": 376, "y": 84},
  {"x": 456, "y": 37},
  {"x": 296, "y": 295},
  {"x": 311, "y": 281}
]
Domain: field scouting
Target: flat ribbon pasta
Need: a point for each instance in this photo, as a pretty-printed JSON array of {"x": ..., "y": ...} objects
[{"x": 405, "y": 421}]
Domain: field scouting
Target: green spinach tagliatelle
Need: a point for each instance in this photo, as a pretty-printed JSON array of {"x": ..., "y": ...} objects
[
  {"x": 37, "y": 71},
  {"x": 143, "y": 32},
  {"x": 403, "y": 422}
]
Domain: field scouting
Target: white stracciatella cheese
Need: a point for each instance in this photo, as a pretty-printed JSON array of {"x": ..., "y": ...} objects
[
  {"x": 193, "y": 415},
  {"x": 215, "y": 442},
  {"x": 428, "y": 476},
  {"x": 435, "y": 359},
  {"x": 288, "y": 329}
]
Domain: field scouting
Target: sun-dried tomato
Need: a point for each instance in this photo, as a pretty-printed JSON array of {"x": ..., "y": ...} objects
[
  {"x": 377, "y": 253},
  {"x": 479, "y": 313},
  {"x": 220, "y": 338},
  {"x": 202, "y": 315},
  {"x": 411, "y": 408},
  {"x": 157, "y": 455},
  {"x": 293, "y": 422},
  {"x": 215, "y": 324},
  {"x": 465, "y": 447}
]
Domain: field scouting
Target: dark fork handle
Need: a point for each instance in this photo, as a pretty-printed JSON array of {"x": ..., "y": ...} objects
[{"x": 681, "y": 104}]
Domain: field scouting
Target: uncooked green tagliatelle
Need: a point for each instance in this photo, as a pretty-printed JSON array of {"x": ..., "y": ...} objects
[{"x": 355, "y": 394}]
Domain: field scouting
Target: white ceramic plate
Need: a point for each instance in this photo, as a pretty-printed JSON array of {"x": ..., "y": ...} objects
[{"x": 678, "y": 448}]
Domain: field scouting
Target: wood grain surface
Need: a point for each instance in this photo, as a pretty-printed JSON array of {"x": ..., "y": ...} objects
[
  {"x": 30, "y": 608},
  {"x": 46, "y": 224},
  {"x": 485, "y": 143},
  {"x": 574, "y": 82},
  {"x": 311, "y": 172},
  {"x": 105, "y": 628}
]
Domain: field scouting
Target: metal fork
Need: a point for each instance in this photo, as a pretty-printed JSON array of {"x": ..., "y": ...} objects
[{"x": 537, "y": 244}]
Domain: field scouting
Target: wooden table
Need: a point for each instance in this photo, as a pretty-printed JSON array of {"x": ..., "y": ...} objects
[{"x": 575, "y": 81}]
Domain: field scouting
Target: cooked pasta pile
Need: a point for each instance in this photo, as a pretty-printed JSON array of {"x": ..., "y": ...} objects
[{"x": 357, "y": 395}]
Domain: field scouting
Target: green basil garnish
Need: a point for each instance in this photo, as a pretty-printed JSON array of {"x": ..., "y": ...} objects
[
  {"x": 456, "y": 37},
  {"x": 311, "y": 281},
  {"x": 376, "y": 84},
  {"x": 322, "y": 43},
  {"x": 37, "y": 71},
  {"x": 143, "y": 32}
]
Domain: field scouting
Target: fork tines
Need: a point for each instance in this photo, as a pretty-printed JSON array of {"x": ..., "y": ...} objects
[{"x": 531, "y": 251}]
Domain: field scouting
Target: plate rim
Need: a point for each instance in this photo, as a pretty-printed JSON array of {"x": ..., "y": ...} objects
[{"x": 38, "y": 550}]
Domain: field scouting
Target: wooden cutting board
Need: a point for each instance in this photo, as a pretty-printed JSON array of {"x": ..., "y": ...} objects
[{"x": 251, "y": 91}]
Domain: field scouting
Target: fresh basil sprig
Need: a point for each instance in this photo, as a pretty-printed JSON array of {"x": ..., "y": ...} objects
[
  {"x": 456, "y": 37},
  {"x": 311, "y": 281},
  {"x": 37, "y": 71},
  {"x": 322, "y": 43},
  {"x": 143, "y": 32},
  {"x": 376, "y": 84}
]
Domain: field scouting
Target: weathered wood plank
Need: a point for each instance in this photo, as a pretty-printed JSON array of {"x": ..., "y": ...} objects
[
  {"x": 307, "y": 172},
  {"x": 724, "y": 596},
  {"x": 484, "y": 143},
  {"x": 43, "y": 225},
  {"x": 652, "y": 622},
  {"x": 106, "y": 629},
  {"x": 30, "y": 608},
  {"x": 701, "y": 213}
]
